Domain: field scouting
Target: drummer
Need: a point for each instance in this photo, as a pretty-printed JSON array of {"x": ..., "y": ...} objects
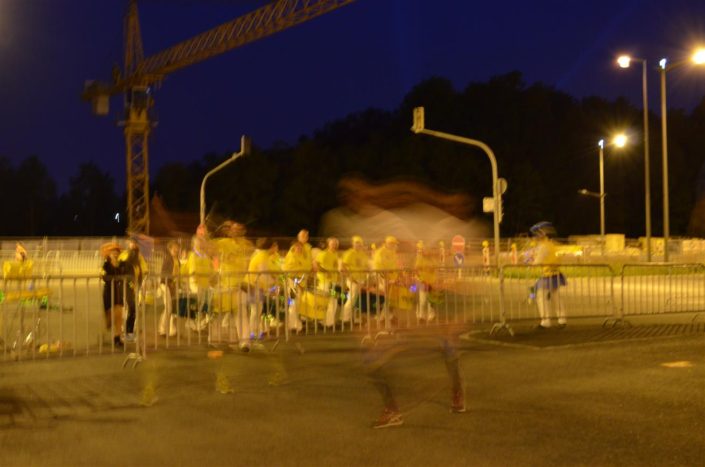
[
  {"x": 297, "y": 263},
  {"x": 327, "y": 277}
]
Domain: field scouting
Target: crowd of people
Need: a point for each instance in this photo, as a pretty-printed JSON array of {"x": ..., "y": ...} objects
[{"x": 227, "y": 278}]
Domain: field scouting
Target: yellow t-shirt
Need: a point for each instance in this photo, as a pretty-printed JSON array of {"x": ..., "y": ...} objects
[
  {"x": 386, "y": 260},
  {"x": 234, "y": 258},
  {"x": 200, "y": 269},
  {"x": 328, "y": 266},
  {"x": 297, "y": 261},
  {"x": 262, "y": 269},
  {"x": 354, "y": 261},
  {"x": 425, "y": 268},
  {"x": 17, "y": 269}
]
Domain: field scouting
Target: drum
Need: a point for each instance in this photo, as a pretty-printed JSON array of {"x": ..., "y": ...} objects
[
  {"x": 401, "y": 298},
  {"x": 313, "y": 304}
]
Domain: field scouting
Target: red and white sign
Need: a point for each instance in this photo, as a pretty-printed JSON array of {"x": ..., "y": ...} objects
[{"x": 457, "y": 244}]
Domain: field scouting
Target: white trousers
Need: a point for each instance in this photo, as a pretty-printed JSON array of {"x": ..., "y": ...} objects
[
  {"x": 353, "y": 295},
  {"x": 550, "y": 304},
  {"x": 425, "y": 311}
]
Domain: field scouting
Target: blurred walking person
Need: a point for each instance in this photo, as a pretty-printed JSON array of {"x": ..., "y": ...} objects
[
  {"x": 262, "y": 279},
  {"x": 170, "y": 277},
  {"x": 200, "y": 272},
  {"x": 425, "y": 270},
  {"x": 354, "y": 266},
  {"x": 547, "y": 288},
  {"x": 297, "y": 265},
  {"x": 112, "y": 274},
  {"x": 135, "y": 268},
  {"x": 327, "y": 276}
]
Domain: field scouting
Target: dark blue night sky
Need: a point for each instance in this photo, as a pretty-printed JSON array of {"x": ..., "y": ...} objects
[{"x": 368, "y": 54}]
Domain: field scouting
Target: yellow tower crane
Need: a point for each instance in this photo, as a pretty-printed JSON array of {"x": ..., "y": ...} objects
[{"x": 140, "y": 73}]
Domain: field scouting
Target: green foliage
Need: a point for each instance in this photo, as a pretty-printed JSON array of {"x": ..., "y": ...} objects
[{"x": 545, "y": 142}]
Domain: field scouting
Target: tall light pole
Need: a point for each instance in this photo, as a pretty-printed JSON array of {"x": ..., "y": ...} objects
[
  {"x": 601, "y": 144},
  {"x": 624, "y": 62},
  {"x": 698, "y": 58},
  {"x": 619, "y": 141},
  {"x": 244, "y": 150}
]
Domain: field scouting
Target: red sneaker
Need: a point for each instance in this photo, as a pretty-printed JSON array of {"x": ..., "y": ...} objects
[
  {"x": 388, "y": 418},
  {"x": 457, "y": 404}
]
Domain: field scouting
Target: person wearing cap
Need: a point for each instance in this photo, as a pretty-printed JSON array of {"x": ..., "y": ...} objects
[
  {"x": 385, "y": 262},
  {"x": 486, "y": 253},
  {"x": 169, "y": 285},
  {"x": 327, "y": 277},
  {"x": 297, "y": 265},
  {"x": 354, "y": 265},
  {"x": 112, "y": 274},
  {"x": 136, "y": 268},
  {"x": 263, "y": 270},
  {"x": 199, "y": 267},
  {"x": 233, "y": 252},
  {"x": 303, "y": 237},
  {"x": 425, "y": 270},
  {"x": 547, "y": 288}
]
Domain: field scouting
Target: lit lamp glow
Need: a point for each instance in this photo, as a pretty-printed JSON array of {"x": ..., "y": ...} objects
[{"x": 699, "y": 57}]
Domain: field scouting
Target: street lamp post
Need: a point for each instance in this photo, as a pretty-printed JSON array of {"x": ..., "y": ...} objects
[
  {"x": 619, "y": 141},
  {"x": 624, "y": 61},
  {"x": 601, "y": 144},
  {"x": 664, "y": 158},
  {"x": 244, "y": 150},
  {"x": 698, "y": 58}
]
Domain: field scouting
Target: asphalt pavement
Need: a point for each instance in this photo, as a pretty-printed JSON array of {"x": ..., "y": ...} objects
[{"x": 584, "y": 395}]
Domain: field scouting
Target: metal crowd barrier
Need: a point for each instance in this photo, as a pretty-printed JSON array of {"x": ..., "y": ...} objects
[
  {"x": 650, "y": 289},
  {"x": 56, "y": 316},
  {"x": 588, "y": 292}
]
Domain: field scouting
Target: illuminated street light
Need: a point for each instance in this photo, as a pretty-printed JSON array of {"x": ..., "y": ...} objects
[
  {"x": 624, "y": 61},
  {"x": 698, "y": 58},
  {"x": 618, "y": 141}
]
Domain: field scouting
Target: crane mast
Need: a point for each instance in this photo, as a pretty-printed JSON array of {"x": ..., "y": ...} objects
[{"x": 140, "y": 73}]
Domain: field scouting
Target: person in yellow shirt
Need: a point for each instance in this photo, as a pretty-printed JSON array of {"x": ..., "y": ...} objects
[
  {"x": 262, "y": 277},
  {"x": 327, "y": 277},
  {"x": 200, "y": 273},
  {"x": 425, "y": 270},
  {"x": 547, "y": 288},
  {"x": 354, "y": 266},
  {"x": 303, "y": 237},
  {"x": 21, "y": 267},
  {"x": 386, "y": 264},
  {"x": 233, "y": 252},
  {"x": 297, "y": 265}
]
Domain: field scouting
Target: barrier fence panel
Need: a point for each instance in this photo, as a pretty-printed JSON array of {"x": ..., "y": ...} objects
[
  {"x": 588, "y": 291},
  {"x": 63, "y": 315},
  {"x": 42, "y": 317},
  {"x": 649, "y": 289}
]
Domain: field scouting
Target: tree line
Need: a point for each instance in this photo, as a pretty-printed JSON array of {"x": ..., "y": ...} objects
[{"x": 545, "y": 142}]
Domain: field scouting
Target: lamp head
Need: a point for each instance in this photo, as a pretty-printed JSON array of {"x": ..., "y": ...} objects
[
  {"x": 624, "y": 61},
  {"x": 662, "y": 63},
  {"x": 620, "y": 140},
  {"x": 601, "y": 143},
  {"x": 699, "y": 56}
]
